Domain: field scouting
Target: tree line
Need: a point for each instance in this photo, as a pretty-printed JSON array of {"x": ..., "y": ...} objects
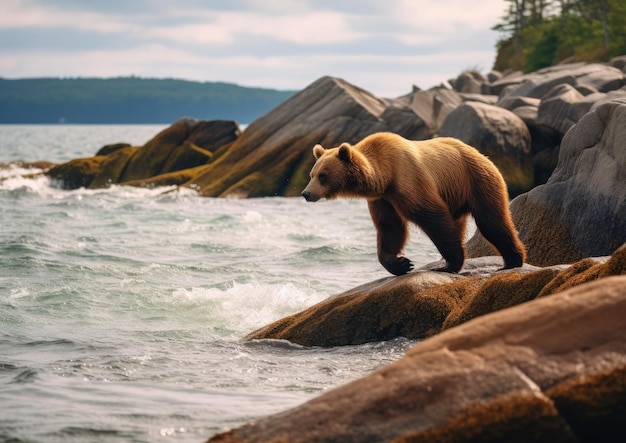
[
  {"x": 540, "y": 33},
  {"x": 130, "y": 100}
]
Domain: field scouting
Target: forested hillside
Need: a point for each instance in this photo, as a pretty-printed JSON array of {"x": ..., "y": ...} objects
[
  {"x": 130, "y": 100},
  {"x": 540, "y": 33}
]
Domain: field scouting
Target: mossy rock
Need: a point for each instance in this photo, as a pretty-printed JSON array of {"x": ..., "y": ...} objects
[
  {"x": 111, "y": 148},
  {"x": 176, "y": 178},
  {"x": 186, "y": 156},
  {"x": 499, "y": 292},
  {"x": 113, "y": 167},
  {"x": 423, "y": 303},
  {"x": 414, "y": 305},
  {"x": 77, "y": 173}
]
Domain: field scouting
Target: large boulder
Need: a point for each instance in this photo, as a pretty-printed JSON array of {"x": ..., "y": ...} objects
[
  {"x": 421, "y": 304},
  {"x": 273, "y": 156},
  {"x": 506, "y": 82},
  {"x": 581, "y": 210},
  {"x": 76, "y": 173},
  {"x": 470, "y": 82},
  {"x": 499, "y": 134},
  {"x": 553, "y": 369},
  {"x": 545, "y": 140},
  {"x": 113, "y": 166},
  {"x": 381, "y": 310},
  {"x": 597, "y": 76},
  {"x": 618, "y": 94},
  {"x": 544, "y": 145},
  {"x": 185, "y": 144},
  {"x": 563, "y": 106},
  {"x": 512, "y": 102},
  {"x": 619, "y": 62},
  {"x": 111, "y": 148},
  {"x": 419, "y": 115}
]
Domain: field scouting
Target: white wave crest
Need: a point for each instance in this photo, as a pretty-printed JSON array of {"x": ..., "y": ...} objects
[
  {"x": 15, "y": 178},
  {"x": 244, "y": 307}
]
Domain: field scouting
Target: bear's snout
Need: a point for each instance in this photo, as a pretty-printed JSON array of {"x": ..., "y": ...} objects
[{"x": 306, "y": 195}]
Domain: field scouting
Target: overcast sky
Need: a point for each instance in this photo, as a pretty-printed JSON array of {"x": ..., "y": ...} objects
[{"x": 383, "y": 46}]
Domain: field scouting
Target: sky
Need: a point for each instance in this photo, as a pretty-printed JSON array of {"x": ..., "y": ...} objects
[{"x": 382, "y": 46}]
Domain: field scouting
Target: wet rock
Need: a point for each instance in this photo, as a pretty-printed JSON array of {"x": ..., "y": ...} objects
[
  {"x": 499, "y": 134},
  {"x": 77, "y": 173},
  {"x": 365, "y": 314},
  {"x": 580, "y": 211},
  {"x": 552, "y": 369},
  {"x": 421, "y": 304}
]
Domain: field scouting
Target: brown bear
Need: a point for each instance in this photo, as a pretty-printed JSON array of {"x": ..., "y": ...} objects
[{"x": 433, "y": 183}]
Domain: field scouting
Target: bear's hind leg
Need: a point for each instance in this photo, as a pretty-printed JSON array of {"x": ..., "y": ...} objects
[
  {"x": 392, "y": 233},
  {"x": 498, "y": 229},
  {"x": 446, "y": 233}
]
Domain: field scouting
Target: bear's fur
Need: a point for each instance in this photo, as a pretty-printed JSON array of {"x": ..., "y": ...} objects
[{"x": 432, "y": 183}]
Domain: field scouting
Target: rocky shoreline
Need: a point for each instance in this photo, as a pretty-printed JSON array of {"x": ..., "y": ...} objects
[
  {"x": 551, "y": 369},
  {"x": 532, "y": 354},
  {"x": 517, "y": 119},
  {"x": 523, "y": 122}
]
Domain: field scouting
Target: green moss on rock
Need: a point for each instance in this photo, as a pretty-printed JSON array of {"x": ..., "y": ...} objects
[
  {"x": 77, "y": 173},
  {"x": 113, "y": 167},
  {"x": 499, "y": 292}
]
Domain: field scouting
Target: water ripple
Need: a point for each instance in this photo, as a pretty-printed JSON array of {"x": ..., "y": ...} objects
[{"x": 26, "y": 376}]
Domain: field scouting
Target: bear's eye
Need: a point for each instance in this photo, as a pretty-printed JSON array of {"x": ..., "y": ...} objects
[{"x": 323, "y": 178}]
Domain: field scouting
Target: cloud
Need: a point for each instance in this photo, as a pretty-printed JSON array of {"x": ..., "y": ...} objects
[
  {"x": 384, "y": 47},
  {"x": 225, "y": 27}
]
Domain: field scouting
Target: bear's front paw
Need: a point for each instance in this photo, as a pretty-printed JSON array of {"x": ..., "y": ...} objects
[{"x": 396, "y": 265}]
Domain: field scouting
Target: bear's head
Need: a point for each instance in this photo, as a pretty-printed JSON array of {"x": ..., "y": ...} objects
[{"x": 334, "y": 173}]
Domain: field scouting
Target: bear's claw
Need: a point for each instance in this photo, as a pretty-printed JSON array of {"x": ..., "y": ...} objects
[{"x": 397, "y": 265}]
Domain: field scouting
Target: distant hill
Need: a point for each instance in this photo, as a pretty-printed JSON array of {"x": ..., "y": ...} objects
[{"x": 130, "y": 100}]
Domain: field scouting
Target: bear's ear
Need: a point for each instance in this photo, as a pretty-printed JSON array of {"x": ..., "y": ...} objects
[
  {"x": 318, "y": 151},
  {"x": 345, "y": 153}
]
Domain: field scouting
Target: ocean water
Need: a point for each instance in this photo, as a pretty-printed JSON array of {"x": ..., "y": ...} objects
[{"x": 122, "y": 310}]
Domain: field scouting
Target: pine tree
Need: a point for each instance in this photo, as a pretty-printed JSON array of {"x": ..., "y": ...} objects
[{"x": 538, "y": 33}]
